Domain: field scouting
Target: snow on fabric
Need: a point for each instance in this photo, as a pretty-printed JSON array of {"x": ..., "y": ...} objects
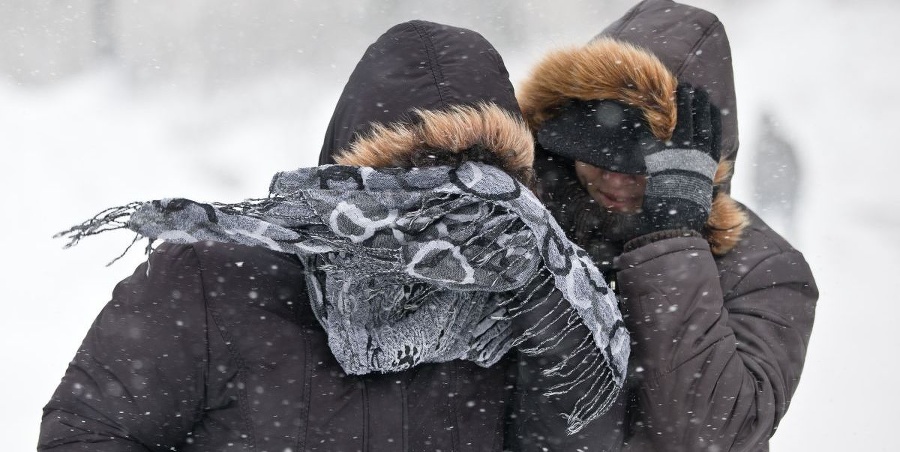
[{"x": 412, "y": 266}]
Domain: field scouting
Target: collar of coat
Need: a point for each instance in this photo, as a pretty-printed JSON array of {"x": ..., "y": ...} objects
[{"x": 607, "y": 69}]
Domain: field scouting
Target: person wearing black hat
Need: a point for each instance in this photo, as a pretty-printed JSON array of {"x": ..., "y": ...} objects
[{"x": 636, "y": 138}]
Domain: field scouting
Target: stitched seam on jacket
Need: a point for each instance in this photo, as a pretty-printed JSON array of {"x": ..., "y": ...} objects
[
  {"x": 206, "y": 314},
  {"x": 692, "y": 55},
  {"x": 654, "y": 381},
  {"x": 454, "y": 383},
  {"x": 303, "y": 437},
  {"x": 365, "y": 407},
  {"x": 662, "y": 254},
  {"x": 243, "y": 403},
  {"x": 625, "y": 21},
  {"x": 433, "y": 65},
  {"x": 743, "y": 276},
  {"x": 404, "y": 426},
  {"x": 501, "y": 413}
]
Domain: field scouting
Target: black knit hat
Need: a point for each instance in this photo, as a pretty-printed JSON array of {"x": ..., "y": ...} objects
[{"x": 602, "y": 133}]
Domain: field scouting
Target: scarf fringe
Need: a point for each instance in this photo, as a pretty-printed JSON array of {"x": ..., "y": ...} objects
[
  {"x": 109, "y": 219},
  {"x": 582, "y": 369}
]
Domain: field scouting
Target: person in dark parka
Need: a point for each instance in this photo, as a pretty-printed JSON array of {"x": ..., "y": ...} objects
[
  {"x": 181, "y": 358},
  {"x": 637, "y": 135},
  {"x": 303, "y": 321}
]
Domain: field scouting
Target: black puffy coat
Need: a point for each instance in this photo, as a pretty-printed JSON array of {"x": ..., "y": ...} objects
[
  {"x": 214, "y": 347},
  {"x": 720, "y": 324}
]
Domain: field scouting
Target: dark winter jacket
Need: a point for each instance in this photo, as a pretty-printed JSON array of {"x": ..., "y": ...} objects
[
  {"x": 720, "y": 324},
  {"x": 214, "y": 347}
]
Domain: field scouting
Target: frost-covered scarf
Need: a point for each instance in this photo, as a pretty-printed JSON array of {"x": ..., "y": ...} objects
[{"x": 416, "y": 266}]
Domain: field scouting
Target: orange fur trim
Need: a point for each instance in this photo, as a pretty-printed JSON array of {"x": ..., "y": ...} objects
[
  {"x": 456, "y": 130},
  {"x": 619, "y": 71},
  {"x": 603, "y": 69},
  {"x": 727, "y": 220}
]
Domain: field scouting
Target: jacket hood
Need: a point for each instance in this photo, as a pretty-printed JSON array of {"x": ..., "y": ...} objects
[
  {"x": 638, "y": 61},
  {"x": 424, "y": 86},
  {"x": 692, "y": 44}
]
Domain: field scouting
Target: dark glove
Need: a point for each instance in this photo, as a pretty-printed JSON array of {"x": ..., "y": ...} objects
[{"x": 680, "y": 172}]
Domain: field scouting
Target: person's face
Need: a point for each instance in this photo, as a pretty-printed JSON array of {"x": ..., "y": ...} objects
[{"x": 617, "y": 192}]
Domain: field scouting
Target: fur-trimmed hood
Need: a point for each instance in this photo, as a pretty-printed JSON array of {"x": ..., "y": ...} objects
[
  {"x": 692, "y": 44},
  {"x": 603, "y": 69},
  {"x": 639, "y": 60},
  {"x": 426, "y": 94}
]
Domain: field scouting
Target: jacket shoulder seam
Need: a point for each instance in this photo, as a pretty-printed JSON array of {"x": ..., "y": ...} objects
[
  {"x": 692, "y": 55},
  {"x": 243, "y": 403},
  {"x": 743, "y": 276},
  {"x": 625, "y": 21},
  {"x": 655, "y": 381},
  {"x": 436, "y": 72},
  {"x": 196, "y": 257}
]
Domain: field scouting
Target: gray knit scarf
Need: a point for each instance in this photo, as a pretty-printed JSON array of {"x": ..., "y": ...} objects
[{"x": 415, "y": 266}]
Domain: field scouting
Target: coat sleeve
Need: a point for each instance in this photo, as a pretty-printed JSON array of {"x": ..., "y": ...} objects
[
  {"x": 137, "y": 381},
  {"x": 715, "y": 371}
]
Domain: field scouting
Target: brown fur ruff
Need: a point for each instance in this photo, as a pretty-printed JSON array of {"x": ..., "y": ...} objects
[
  {"x": 603, "y": 69},
  {"x": 613, "y": 70},
  {"x": 485, "y": 132},
  {"x": 727, "y": 219}
]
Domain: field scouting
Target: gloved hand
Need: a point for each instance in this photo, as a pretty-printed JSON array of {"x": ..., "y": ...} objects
[{"x": 680, "y": 172}]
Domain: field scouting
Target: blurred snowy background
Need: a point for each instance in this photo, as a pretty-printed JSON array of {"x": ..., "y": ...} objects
[{"x": 104, "y": 102}]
